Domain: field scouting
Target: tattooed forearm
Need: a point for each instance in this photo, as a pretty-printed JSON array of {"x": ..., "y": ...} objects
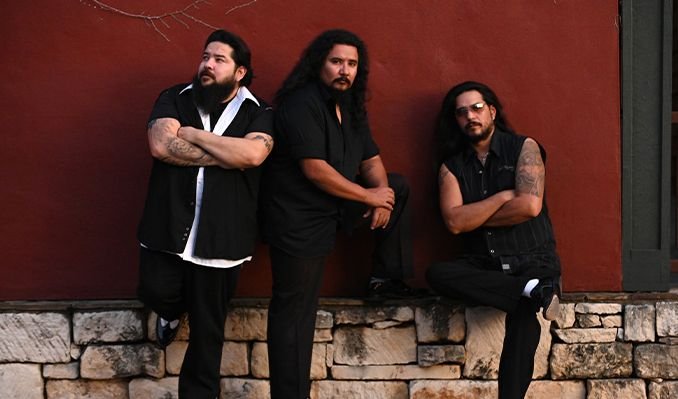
[
  {"x": 183, "y": 153},
  {"x": 268, "y": 142},
  {"x": 530, "y": 170}
]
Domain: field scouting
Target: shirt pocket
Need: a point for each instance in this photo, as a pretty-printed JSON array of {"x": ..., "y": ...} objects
[{"x": 505, "y": 177}]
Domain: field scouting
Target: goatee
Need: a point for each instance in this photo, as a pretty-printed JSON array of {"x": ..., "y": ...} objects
[
  {"x": 210, "y": 96},
  {"x": 477, "y": 138}
]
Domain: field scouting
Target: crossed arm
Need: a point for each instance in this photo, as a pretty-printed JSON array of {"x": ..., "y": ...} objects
[
  {"x": 187, "y": 146},
  {"x": 505, "y": 208},
  {"x": 378, "y": 196}
]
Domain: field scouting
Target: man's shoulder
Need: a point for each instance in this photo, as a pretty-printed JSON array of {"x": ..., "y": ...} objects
[
  {"x": 176, "y": 89},
  {"x": 306, "y": 94}
]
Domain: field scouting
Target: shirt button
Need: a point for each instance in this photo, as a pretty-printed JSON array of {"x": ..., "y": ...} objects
[
  {"x": 480, "y": 172},
  {"x": 484, "y": 191},
  {"x": 489, "y": 233},
  {"x": 491, "y": 251},
  {"x": 192, "y": 203},
  {"x": 188, "y": 228}
]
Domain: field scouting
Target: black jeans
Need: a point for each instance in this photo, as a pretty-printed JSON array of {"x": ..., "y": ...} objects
[
  {"x": 171, "y": 286},
  {"x": 481, "y": 281}
]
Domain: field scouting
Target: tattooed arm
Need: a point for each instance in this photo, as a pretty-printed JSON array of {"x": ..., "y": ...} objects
[
  {"x": 166, "y": 146},
  {"x": 230, "y": 152},
  {"x": 529, "y": 190},
  {"x": 460, "y": 218}
]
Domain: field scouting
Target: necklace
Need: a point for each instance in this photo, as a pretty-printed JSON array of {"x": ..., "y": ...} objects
[{"x": 483, "y": 157}]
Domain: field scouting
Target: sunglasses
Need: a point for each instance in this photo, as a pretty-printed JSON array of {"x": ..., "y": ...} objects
[{"x": 475, "y": 108}]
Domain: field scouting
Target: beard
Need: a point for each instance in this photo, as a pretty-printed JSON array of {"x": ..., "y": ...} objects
[
  {"x": 210, "y": 96},
  {"x": 477, "y": 138}
]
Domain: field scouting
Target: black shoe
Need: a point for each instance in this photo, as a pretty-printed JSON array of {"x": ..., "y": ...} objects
[
  {"x": 547, "y": 293},
  {"x": 164, "y": 335},
  {"x": 393, "y": 289}
]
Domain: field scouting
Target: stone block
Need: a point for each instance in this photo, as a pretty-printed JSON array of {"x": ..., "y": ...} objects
[
  {"x": 556, "y": 390},
  {"x": 616, "y": 388},
  {"x": 667, "y": 319},
  {"x": 369, "y": 315},
  {"x": 358, "y": 390},
  {"x": 588, "y": 320},
  {"x": 234, "y": 360},
  {"x": 83, "y": 389},
  {"x": 566, "y": 318},
  {"x": 440, "y": 323},
  {"x": 35, "y": 338},
  {"x": 663, "y": 390},
  {"x": 144, "y": 388},
  {"x": 484, "y": 342},
  {"x": 65, "y": 371},
  {"x": 583, "y": 335},
  {"x": 324, "y": 319},
  {"x": 611, "y": 321},
  {"x": 240, "y": 388},
  {"x": 259, "y": 362},
  {"x": 21, "y": 381},
  {"x": 108, "y": 326},
  {"x": 402, "y": 372},
  {"x": 429, "y": 355},
  {"x": 639, "y": 323},
  {"x": 656, "y": 361},
  {"x": 578, "y": 361},
  {"x": 120, "y": 361},
  {"x": 260, "y": 366},
  {"x": 598, "y": 308},
  {"x": 360, "y": 346},
  {"x": 246, "y": 324},
  {"x": 319, "y": 362},
  {"x": 322, "y": 335},
  {"x": 460, "y": 389},
  {"x": 669, "y": 340},
  {"x": 76, "y": 351}
]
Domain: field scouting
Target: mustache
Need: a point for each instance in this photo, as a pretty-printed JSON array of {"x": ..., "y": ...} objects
[
  {"x": 341, "y": 79},
  {"x": 207, "y": 73},
  {"x": 471, "y": 124}
]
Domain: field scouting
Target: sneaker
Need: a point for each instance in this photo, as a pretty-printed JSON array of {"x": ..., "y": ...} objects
[
  {"x": 547, "y": 293},
  {"x": 393, "y": 289},
  {"x": 165, "y": 334}
]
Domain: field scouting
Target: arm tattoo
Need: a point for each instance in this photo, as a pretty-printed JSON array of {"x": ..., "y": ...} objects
[
  {"x": 530, "y": 170},
  {"x": 268, "y": 142},
  {"x": 442, "y": 175}
]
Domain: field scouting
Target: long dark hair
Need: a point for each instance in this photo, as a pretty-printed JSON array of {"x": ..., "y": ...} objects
[
  {"x": 312, "y": 59},
  {"x": 241, "y": 52},
  {"x": 450, "y": 139}
]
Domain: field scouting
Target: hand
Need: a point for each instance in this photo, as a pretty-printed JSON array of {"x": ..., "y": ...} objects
[
  {"x": 186, "y": 133},
  {"x": 507, "y": 195},
  {"x": 380, "y": 197},
  {"x": 380, "y": 217}
]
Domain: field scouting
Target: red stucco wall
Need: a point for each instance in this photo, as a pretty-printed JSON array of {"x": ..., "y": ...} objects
[{"x": 77, "y": 84}]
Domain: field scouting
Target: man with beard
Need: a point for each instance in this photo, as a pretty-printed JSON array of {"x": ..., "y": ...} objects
[
  {"x": 491, "y": 183},
  {"x": 325, "y": 174},
  {"x": 207, "y": 140}
]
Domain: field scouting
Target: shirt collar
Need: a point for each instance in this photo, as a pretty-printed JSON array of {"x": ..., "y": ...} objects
[
  {"x": 495, "y": 146},
  {"x": 243, "y": 93}
]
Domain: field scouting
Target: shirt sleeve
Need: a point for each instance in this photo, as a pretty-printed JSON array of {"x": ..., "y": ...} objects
[
  {"x": 301, "y": 123},
  {"x": 262, "y": 120},
  {"x": 165, "y": 106}
]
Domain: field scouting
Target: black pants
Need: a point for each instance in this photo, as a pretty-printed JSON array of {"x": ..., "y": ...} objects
[
  {"x": 296, "y": 284},
  {"x": 481, "y": 281},
  {"x": 171, "y": 286}
]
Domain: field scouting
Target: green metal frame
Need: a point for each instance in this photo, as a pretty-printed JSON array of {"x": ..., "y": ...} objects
[{"x": 646, "y": 66}]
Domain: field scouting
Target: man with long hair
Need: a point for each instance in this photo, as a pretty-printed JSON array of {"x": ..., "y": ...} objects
[
  {"x": 208, "y": 140},
  {"x": 325, "y": 174},
  {"x": 491, "y": 183}
]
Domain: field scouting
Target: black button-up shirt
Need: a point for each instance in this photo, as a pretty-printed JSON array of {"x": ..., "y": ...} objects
[
  {"x": 228, "y": 226},
  {"x": 477, "y": 182},
  {"x": 299, "y": 218}
]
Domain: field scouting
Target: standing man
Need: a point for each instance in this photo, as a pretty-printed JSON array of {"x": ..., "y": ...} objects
[
  {"x": 325, "y": 174},
  {"x": 207, "y": 139},
  {"x": 492, "y": 192}
]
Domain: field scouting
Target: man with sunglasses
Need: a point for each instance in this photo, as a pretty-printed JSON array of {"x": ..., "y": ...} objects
[{"x": 491, "y": 184}]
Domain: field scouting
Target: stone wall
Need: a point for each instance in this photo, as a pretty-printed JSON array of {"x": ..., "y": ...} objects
[{"x": 614, "y": 347}]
